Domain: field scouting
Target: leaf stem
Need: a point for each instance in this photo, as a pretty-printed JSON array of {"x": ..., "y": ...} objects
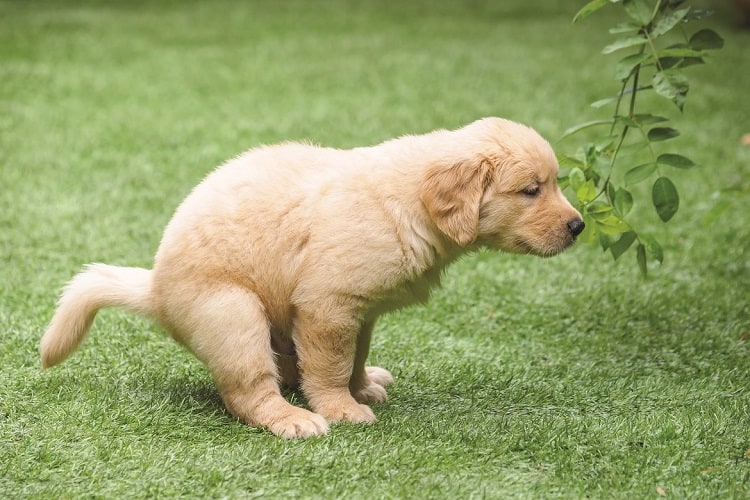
[{"x": 635, "y": 74}]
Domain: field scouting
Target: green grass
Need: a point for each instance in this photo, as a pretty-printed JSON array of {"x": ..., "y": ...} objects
[{"x": 569, "y": 377}]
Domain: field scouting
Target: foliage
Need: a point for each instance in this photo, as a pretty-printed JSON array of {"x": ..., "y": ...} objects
[{"x": 600, "y": 177}]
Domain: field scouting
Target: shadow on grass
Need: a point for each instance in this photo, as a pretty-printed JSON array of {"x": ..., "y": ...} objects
[{"x": 182, "y": 394}]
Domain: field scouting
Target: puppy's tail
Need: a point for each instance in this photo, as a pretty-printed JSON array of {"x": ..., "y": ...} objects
[{"x": 94, "y": 288}]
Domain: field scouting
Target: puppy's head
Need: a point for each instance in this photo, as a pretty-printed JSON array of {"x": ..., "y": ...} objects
[{"x": 500, "y": 190}]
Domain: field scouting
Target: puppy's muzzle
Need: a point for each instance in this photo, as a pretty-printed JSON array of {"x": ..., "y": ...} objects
[{"x": 575, "y": 227}]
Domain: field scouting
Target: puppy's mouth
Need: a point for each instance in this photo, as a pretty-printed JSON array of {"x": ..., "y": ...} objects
[{"x": 545, "y": 248}]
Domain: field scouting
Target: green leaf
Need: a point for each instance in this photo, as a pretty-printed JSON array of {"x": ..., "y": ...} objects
[
  {"x": 589, "y": 9},
  {"x": 576, "y": 177},
  {"x": 603, "y": 102},
  {"x": 612, "y": 225},
  {"x": 706, "y": 39},
  {"x": 624, "y": 43},
  {"x": 640, "y": 256},
  {"x": 690, "y": 61},
  {"x": 681, "y": 52},
  {"x": 665, "y": 198},
  {"x": 605, "y": 241},
  {"x": 653, "y": 248},
  {"x": 610, "y": 191},
  {"x": 624, "y": 28},
  {"x": 669, "y": 84},
  {"x": 586, "y": 192},
  {"x": 621, "y": 245},
  {"x": 670, "y": 62},
  {"x": 673, "y": 85},
  {"x": 589, "y": 235},
  {"x": 662, "y": 133},
  {"x": 627, "y": 64},
  {"x": 581, "y": 126},
  {"x": 667, "y": 20},
  {"x": 567, "y": 161},
  {"x": 599, "y": 210},
  {"x": 648, "y": 119},
  {"x": 639, "y": 173},
  {"x": 639, "y": 10},
  {"x": 623, "y": 201},
  {"x": 675, "y": 160}
]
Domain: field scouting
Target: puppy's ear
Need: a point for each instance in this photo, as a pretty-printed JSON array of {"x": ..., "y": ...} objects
[{"x": 452, "y": 194}]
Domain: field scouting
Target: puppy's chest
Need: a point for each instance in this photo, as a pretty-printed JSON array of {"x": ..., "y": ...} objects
[{"x": 412, "y": 291}]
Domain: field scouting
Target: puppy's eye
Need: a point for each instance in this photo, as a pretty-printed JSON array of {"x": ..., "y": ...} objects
[{"x": 531, "y": 190}]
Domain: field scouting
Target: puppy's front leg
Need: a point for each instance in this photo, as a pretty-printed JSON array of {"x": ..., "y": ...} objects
[
  {"x": 367, "y": 384},
  {"x": 326, "y": 339}
]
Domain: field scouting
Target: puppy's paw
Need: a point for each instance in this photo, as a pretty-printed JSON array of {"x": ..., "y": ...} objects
[
  {"x": 372, "y": 393},
  {"x": 298, "y": 423},
  {"x": 350, "y": 411},
  {"x": 380, "y": 376}
]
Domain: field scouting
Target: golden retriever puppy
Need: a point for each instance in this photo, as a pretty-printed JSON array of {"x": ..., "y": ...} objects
[{"x": 275, "y": 268}]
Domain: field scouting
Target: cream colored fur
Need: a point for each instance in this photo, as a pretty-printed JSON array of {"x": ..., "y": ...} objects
[{"x": 275, "y": 268}]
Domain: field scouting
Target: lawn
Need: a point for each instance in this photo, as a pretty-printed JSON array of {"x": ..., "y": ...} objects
[{"x": 568, "y": 377}]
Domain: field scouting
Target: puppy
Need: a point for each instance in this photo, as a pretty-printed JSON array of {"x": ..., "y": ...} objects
[{"x": 275, "y": 268}]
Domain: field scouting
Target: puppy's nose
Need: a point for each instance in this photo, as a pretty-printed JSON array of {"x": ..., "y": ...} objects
[{"x": 576, "y": 227}]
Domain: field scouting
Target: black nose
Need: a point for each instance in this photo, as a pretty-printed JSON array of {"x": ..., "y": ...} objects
[{"x": 576, "y": 227}]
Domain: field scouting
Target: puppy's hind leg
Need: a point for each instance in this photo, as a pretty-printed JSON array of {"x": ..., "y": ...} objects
[{"x": 235, "y": 343}]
